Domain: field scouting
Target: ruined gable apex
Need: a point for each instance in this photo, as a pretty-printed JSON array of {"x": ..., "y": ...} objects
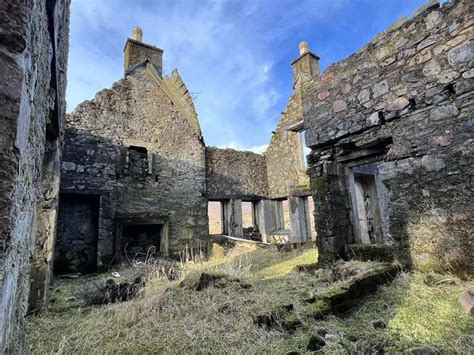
[{"x": 178, "y": 93}]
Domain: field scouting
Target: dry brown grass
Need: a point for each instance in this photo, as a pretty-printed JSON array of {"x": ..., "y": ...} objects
[{"x": 169, "y": 318}]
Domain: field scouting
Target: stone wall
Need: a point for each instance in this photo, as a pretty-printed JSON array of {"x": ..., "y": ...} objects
[
  {"x": 235, "y": 174},
  {"x": 33, "y": 58},
  {"x": 402, "y": 104},
  {"x": 284, "y": 156},
  {"x": 143, "y": 119}
]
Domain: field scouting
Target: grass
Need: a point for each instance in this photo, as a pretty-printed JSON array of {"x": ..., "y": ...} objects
[{"x": 171, "y": 318}]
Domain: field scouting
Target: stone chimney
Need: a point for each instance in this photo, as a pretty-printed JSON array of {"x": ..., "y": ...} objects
[
  {"x": 136, "y": 51},
  {"x": 306, "y": 66}
]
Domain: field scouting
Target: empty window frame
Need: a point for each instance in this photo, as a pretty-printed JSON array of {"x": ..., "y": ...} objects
[
  {"x": 312, "y": 220},
  {"x": 282, "y": 209},
  {"x": 366, "y": 194},
  {"x": 137, "y": 159},
  {"x": 215, "y": 212},
  {"x": 248, "y": 214},
  {"x": 304, "y": 149}
]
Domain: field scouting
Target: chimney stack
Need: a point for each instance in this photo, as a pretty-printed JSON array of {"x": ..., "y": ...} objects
[
  {"x": 306, "y": 66},
  {"x": 136, "y": 51}
]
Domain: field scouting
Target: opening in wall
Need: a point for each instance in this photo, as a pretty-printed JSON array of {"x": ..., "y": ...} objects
[
  {"x": 137, "y": 160},
  {"x": 283, "y": 221},
  {"x": 141, "y": 240},
  {"x": 215, "y": 212},
  {"x": 304, "y": 149},
  {"x": 249, "y": 221},
  {"x": 248, "y": 214},
  {"x": 286, "y": 215},
  {"x": 76, "y": 242},
  {"x": 367, "y": 193}
]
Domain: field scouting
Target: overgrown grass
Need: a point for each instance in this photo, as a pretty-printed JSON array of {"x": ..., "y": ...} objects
[{"x": 170, "y": 318}]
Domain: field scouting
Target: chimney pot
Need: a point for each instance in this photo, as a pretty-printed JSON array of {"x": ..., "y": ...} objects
[
  {"x": 303, "y": 48},
  {"x": 306, "y": 66},
  {"x": 137, "y": 34}
]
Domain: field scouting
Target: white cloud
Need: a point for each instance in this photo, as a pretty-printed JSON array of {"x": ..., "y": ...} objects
[
  {"x": 234, "y": 54},
  {"x": 259, "y": 149}
]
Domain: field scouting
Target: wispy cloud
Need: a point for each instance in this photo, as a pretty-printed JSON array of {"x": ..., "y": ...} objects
[
  {"x": 234, "y": 55},
  {"x": 259, "y": 149}
]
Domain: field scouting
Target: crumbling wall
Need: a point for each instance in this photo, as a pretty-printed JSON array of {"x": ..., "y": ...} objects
[
  {"x": 286, "y": 169},
  {"x": 404, "y": 102},
  {"x": 33, "y": 58},
  {"x": 142, "y": 111},
  {"x": 235, "y": 174},
  {"x": 92, "y": 166}
]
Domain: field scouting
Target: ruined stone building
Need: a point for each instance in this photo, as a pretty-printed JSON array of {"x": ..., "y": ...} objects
[
  {"x": 390, "y": 167},
  {"x": 391, "y": 136},
  {"x": 389, "y": 164},
  {"x": 276, "y": 182},
  {"x": 133, "y": 172},
  {"x": 137, "y": 177},
  {"x": 33, "y": 61}
]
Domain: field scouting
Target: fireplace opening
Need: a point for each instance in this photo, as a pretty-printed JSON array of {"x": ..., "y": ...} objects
[{"x": 141, "y": 240}]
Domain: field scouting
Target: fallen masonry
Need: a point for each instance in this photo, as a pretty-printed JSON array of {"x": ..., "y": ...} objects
[{"x": 345, "y": 290}]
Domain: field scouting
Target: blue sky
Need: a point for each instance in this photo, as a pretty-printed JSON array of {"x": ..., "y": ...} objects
[{"x": 234, "y": 55}]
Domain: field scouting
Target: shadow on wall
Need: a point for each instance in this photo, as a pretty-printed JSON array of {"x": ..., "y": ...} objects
[
  {"x": 163, "y": 188},
  {"x": 434, "y": 225},
  {"x": 235, "y": 174}
]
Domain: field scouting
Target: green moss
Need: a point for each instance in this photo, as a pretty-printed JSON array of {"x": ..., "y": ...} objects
[
  {"x": 283, "y": 268},
  {"x": 319, "y": 184},
  {"x": 318, "y": 309},
  {"x": 168, "y": 318}
]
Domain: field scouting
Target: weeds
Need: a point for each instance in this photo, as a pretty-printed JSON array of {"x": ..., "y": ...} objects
[{"x": 169, "y": 318}]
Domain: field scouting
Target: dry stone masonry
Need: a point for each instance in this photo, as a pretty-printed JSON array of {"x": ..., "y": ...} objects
[
  {"x": 33, "y": 61},
  {"x": 134, "y": 168},
  {"x": 390, "y": 129}
]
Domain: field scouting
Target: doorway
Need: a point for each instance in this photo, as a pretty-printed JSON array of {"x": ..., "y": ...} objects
[
  {"x": 366, "y": 210},
  {"x": 76, "y": 241}
]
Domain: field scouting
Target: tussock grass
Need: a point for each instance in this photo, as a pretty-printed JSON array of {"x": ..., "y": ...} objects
[{"x": 170, "y": 318}]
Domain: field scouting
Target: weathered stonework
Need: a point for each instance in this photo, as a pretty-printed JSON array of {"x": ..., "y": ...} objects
[
  {"x": 271, "y": 179},
  {"x": 286, "y": 169},
  {"x": 33, "y": 58},
  {"x": 391, "y": 162},
  {"x": 138, "y": 148},
  {"x": 407, "y": 128},
  {"x": 235, "y": 174}
]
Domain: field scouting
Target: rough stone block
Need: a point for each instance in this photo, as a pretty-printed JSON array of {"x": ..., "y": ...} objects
[
  {"x": 364, "y": 96},
  {"x": 420, "y": 58},
  {"x": 397, "y": 104},
  {"x": 432, "y": 68},
  {"x": 447, "y": 76},
  {"x": 443, "y": 112},
  {"x": 339, "y": 106},
  {"x": 380, "y": 88},
  {"x": 461, "y": 54},
  {"x": 466, "y": 302},
  {"x": 323, "y": 95}
]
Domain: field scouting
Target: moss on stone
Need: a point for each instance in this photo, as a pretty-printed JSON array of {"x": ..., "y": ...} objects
[{"x": 319, "y": 184}]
